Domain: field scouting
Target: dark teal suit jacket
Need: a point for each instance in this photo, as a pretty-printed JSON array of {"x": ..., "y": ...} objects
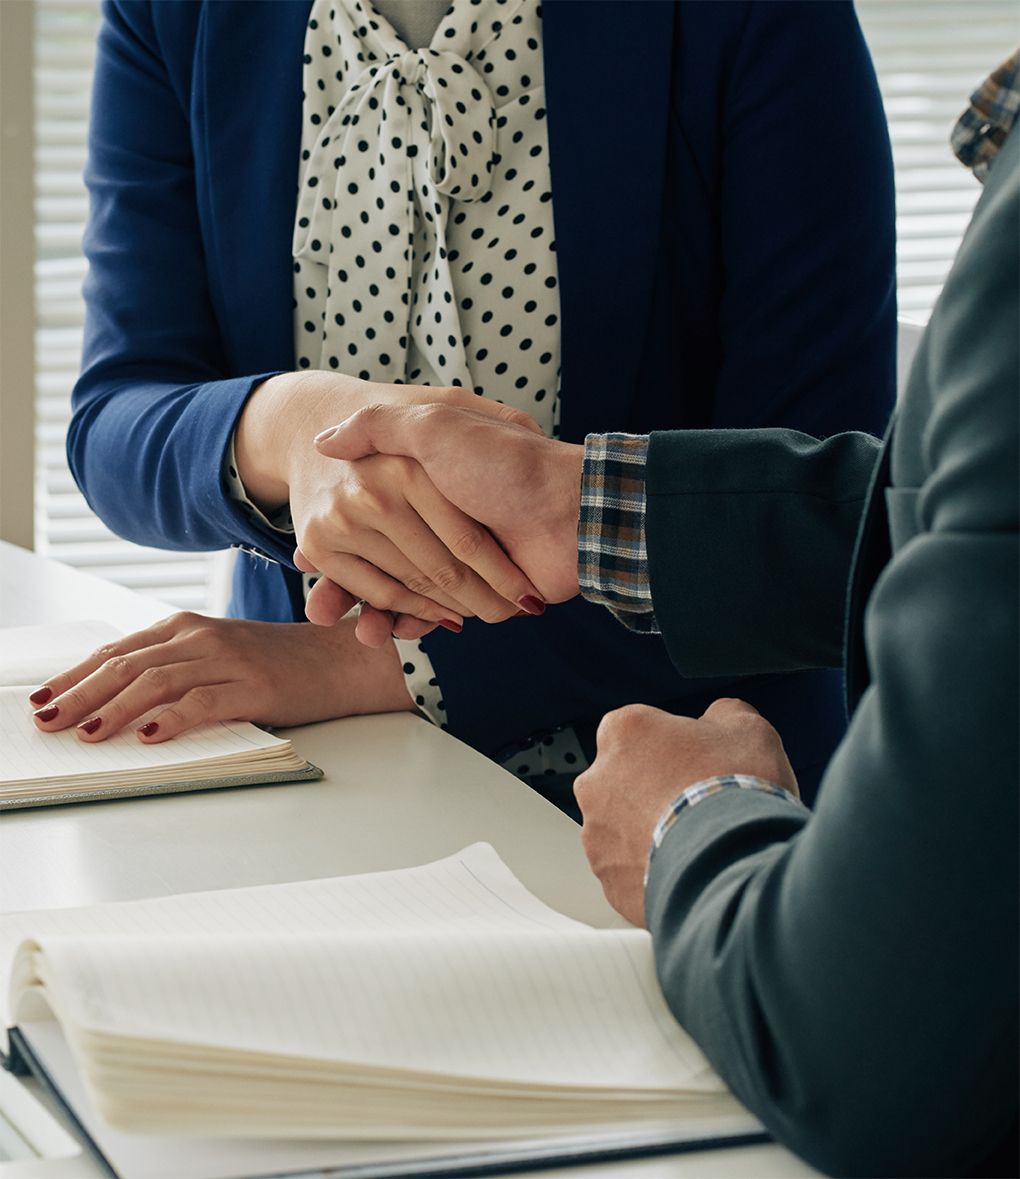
[{"x": 853, "y": 974}]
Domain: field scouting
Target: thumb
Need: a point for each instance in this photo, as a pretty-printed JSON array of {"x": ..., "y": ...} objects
[{"x": 376, "y": 429}]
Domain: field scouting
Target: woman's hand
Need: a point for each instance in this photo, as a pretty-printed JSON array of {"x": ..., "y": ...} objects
[
  {"x": 354, "y": 525},
  {"x": 192, "y": 669}
]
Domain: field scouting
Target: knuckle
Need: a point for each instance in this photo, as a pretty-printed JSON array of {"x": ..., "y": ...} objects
[
  {"x": 120, "y": 667},
  {"x": 172, "y": 717},
  {"x": 621, "y": 722},
  {"x": 74, "y": 700},
  {"x": 207, "y": 635},
  {"x": 468, "y": 543},
  {"x": 203, "y": 697},
  {"x": 582, "y": 788},
  {"x": 155, "y": 678},
  {"x": 513, "y": 416},
  {"x": 386, "y": 597},
  {"x": 421, "y": 585},
  {"x": 106, "y": 652},
  {"x": 367, "y": 499},
  {"x": 448, "y": 577}
]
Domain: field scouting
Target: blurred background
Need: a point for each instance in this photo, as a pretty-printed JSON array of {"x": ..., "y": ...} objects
[{"x": 929, "y": 54}]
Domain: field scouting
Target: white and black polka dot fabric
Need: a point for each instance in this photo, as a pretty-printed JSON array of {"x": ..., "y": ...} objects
[
  {"x": 423, "y": 244},
  {"x": 424, "y": 248}
]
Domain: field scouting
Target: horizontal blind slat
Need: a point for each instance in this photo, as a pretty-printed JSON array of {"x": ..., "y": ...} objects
[{"x": 929, "y": 58}]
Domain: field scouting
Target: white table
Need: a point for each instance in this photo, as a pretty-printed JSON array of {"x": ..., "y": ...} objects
[{"x": 397, "y": 792}]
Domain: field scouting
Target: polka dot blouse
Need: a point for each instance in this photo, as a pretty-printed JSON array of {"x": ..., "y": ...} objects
[{"x": 424, "y": 248}]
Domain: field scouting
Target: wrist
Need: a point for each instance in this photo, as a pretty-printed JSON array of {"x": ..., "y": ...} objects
[
  {"x": 569, "y": 469},
  {"x": 275, "y": 432},
  {"x": 257, "y": 443},
  {"x": 375, "y": 673}
]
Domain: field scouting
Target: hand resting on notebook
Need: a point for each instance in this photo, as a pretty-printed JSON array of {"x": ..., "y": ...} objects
[{"x": 196, "y": 669}]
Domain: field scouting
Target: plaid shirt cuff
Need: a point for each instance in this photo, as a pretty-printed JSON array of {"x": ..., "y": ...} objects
[
  {"x": 612, "y": 559},
  {"x": 705, "y": 789},
  {"x": 984, "y": 125}
]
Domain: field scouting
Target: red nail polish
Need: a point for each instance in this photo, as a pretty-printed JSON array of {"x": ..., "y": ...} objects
[
  {"x": 456, "y": 627},
  {"x": 90, "y": 726},
  {"x": 41, "y": 695},
  {"x": 47, "y": 714},
  {"x": 148, "y": 729},
  {"x": 532, "y": 604}
]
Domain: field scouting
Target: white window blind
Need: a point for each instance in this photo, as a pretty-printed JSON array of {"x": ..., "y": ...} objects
[
  {"x": 930, "y": 56},
  {"x": 65, "y": 33}
]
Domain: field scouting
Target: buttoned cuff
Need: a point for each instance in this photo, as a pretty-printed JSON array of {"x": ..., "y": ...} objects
[
  {"x": 707, "y": 787},
  {"x": 280, "y": 520},
  {"x": 612, "y": 557}
]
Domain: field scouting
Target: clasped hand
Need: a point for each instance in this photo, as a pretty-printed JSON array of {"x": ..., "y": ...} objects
[
  {"x": 471, "y": 467},
  {"x": 378, "y": 530}
]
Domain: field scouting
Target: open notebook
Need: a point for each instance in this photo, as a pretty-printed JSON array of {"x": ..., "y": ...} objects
[
  {"x": 418, "y": 1017},
  {"x": 40, "y": 769}
]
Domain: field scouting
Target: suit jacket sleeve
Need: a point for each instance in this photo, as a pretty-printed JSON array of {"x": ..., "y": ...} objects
[
  {"x": 156, "y": 404},
  {"x": 750, "y": 535},
  {"x": 853, "y": 974}
]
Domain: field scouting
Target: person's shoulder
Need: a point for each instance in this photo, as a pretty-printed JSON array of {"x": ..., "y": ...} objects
[{"x": 163, "y": 27}]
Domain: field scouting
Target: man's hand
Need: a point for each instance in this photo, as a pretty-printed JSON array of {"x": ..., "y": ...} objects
[
  {"x": 646, "y": 758},
  {"x": 525, "y": 488}
]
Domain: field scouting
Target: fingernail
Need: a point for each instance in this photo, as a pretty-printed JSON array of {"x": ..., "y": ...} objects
[
  {"x": 148, "y": 729},
  {"x": 41, "y": 695},
  {"x": 456, "y": 627},
  {"x": 326, "y": 434},
  {"x": 90, "y": 726},
  {"x": 532, "y": 604},
  {"x": 47, "y": 714}
]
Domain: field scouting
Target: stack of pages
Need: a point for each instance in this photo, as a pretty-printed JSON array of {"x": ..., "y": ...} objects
[
  {"x": 440, "y": 1004},
  {"x": 40, "y": 769}
]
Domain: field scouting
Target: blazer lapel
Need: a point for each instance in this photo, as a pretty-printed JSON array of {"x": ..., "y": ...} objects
[
  {"x": 247, "y": 146},
  {"x": 607, "y": 80}
]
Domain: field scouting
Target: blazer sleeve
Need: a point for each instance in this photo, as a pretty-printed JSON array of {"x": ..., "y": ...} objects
[
  {"x": 853, "y": 974},
  {"x": 807, "y": 324},
  {"x": 750, "y": 536},
  {"x": 154, "y": 407}
]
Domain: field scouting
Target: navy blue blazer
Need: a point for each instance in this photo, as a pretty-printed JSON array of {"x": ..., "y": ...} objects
[{"x": 725, "y": 244}]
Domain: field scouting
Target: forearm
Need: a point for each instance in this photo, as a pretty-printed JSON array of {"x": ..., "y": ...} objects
[{"x": 147, "y": 454}]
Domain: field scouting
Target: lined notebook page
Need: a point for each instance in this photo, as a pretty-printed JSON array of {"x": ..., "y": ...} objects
[
  {"x": 29, "y": 755},
  {"x": 453, "y": 968},
  {"x": 32, "y": 654}
]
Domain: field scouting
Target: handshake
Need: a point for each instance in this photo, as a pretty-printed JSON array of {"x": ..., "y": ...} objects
[{"x": 438, "y": 510}]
